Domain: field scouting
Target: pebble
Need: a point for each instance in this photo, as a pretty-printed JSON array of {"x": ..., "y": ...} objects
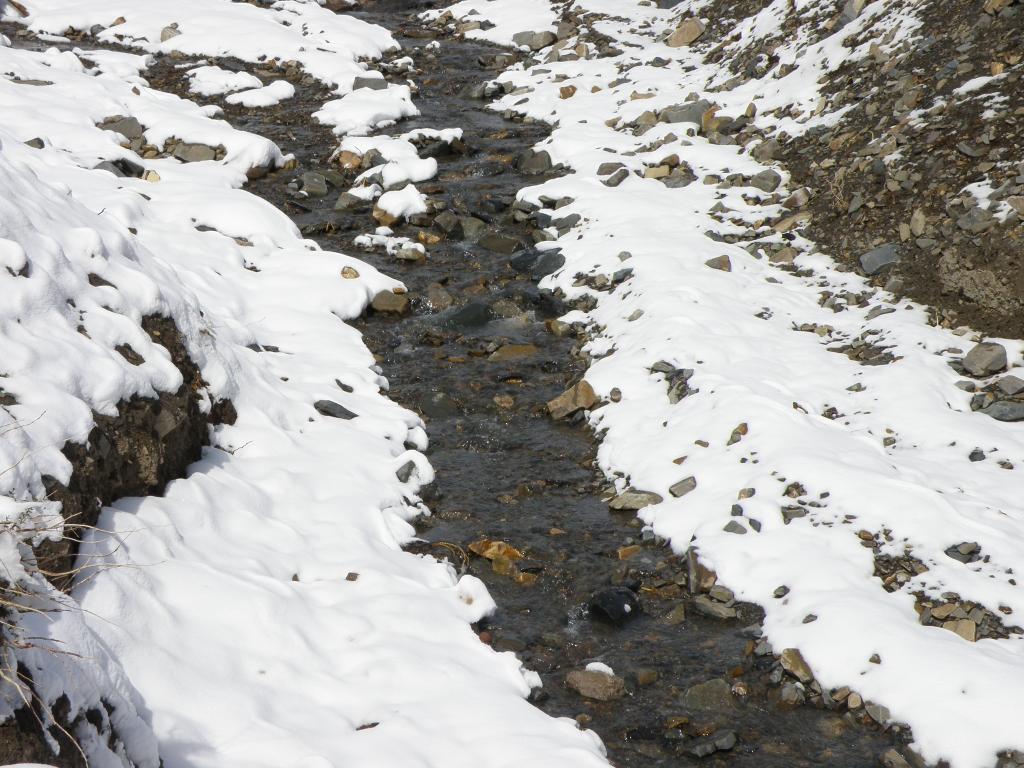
[{"x": 599, "y": 686}]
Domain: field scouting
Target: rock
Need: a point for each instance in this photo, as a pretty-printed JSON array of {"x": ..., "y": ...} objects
[
  {"x": 473, "y": 315},
  {"x": 721, "y": 263},
  {"x": 687, "y": 33},
  {"x": 720, "y": 741},
  {"x": 793, "y": 662},
  {"x": 313, "y": 184},
  {"x": 534, "y": 40},
  {"x": 632, "y": 500},
  {"x": 347, "y": 202},
  {"x": 605, "y": 169},
  {"x": 918, "y": 221},
  {"x": 194, "y": 153},
  {"x": 645, "y": 676},
  {"x": 1010, "y": 385},
  {"x": 1005, "y": 410},
  {"x": 688, "y": 112},
  {"x": 499, "y": 242},
  {"x": 167, "y": 33},
  {"x": 766, "y": 150},
  {"x": 714, "y": 695},
  {"x": 893, "y": 759},
  {"x": 792, "y": 695},
  {"x": 734, "y": 527},
  {"x": 615, "y": 604},
  {"x": 368, "y": 81},
  {"x": 580, "y": 396},
  {"x": 851, "y": 11},
  {"x": 472, "y": 228},
  {"x": 683, "y": 487},
  {"x": 676, "y": 616},
  {"x": 510, "y": 352},
  {"x": 616, "y": 178},
  {"x": 599, "y": 686},
  {"x": 389, "y": 302},
  {"x": 878, "y": 713},
  {"x": 705, "y": 606},
  {"x": 532, "y": 163},
  {"x": 128, "y": 127},
  {"x": 333, "y": 409},
  {"x": 985, "y": 359},
  {"x": 877, "y": 259},
  {"x": 766, "y": 181},
  {"x": 976, "y": 221}
]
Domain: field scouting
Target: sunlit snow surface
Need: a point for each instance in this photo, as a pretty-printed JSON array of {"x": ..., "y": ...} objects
[
  {"x": 922, "y": 490},
  {"x": 261, "y": 613}
]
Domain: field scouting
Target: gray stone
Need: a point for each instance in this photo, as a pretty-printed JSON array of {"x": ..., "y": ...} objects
[
  {"x": 598, "y": 686},
  {"x": 631, "y": 500},
  {"x": 1010, "y": 385},
  {"x": 687, "y": 33},
  {"x": 313, "y": 184},
  {"x": 1005, "y": 410},
  {"x": 734, "y": 527},
  {"x": 534, "y": 40},
  {"x": 766, "y": 181},
  {"x": 370, "y": 82},
  {"x": 128, "y": 127},
  {"x": 687, "y": 112},
  {"x": 766, "y": 150},
  {"x": 708, "y": 607},
  {"x": 683, "y": 487},
  {"x": 976, "y": 221},
  {"x": 793, "y": 662},
  {"x": 715, "y": 695},
  {"x": 500, "y": 243},
  {"x": 533, "y": 163},
  {"x": 194, "y": 153},
  {"x": 333, "y": 409},
  {"x": 616, "y": 178},
  {"x": 168, "y": 33},
  {"x": 985, "y": 359},
  {"x": 607, "y": 168},
  {"x": 472, "y": 228},
  {"x": 877, "y": 259}
]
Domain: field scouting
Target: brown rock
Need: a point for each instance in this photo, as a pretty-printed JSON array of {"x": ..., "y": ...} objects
[
  {"x": 793, "y": 662},
  {"x": 390, "y": 303},
  {"x": 513, "y": 352},
  {"x": 687, "y": 33},
  {"x": 599, "y": 686},
  {"x": 577, "y": 398}
]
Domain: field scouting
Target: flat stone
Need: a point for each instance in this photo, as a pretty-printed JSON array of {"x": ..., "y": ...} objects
[
  {"x": 500, "y": 242},
  {"x": 706, "y": 606},
  {"x": 734, "y": 527},
  {"x": 512, "y": 352},
  {"x": 721, "y": 263},
  {"x": 632, "y": 500},
  {"x": 194, "y": 153},
  {"x": 683, "y": 487},
  {"x": 877, "y": 259},
  {"x": 599, "y": 686},
  {"x": 1010, "y": 385},
  {"x": 580, "y": 396},
  {"x": 333, "y": 409},
  {"x": 793, "y": 662},
  {"x": 976, "y": 221},
  {"x": 985, "y": 359},
  {"x": 766, "y": 181},
  {"x": 715, "y": 695},
  {"x": 129, "y": 127},
  {"x": 314, "y": 184},
  {"x": 1005, "y": 410},
  {"x": 688, "y": 32},
  {"x": 534, "y": 40},
  {"x": 389, "y": 302},
  {"x": 370, "y": 82},
  {"x": 531, "y": 162}
]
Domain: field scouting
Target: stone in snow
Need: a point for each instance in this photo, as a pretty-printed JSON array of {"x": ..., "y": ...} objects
[
  {"x": 985, "y": 359},
  {"x": 688, "y": 32},
  {"x": 579, "y": 397},
  {"x": 534, "y": 40}
]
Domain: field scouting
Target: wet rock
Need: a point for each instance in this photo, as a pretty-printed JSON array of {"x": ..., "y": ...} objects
[
  {"x": 194, "y": 153},
  {"x": 510, "y": 352},
  {"x": 532, "y": 163},
  {"x": 793, "y": 662},
  {"x": 473, "y": 315},
  {"x": 472, "y": 228},
  {"x": 877, "y": 259},
  {"x": 333, "y": 409},
  {"x": 580, "y": 396},
  {"x": 985, "y": 359},
  {"x": 389, "y": 302},
  {"x": 893, "y": 759},
  {"x": 438, "y": 297},
  {"x": 599, "y": 686},
  {"x": 615, "y": 604},
  {"x": 349, "y": 202},
  {"x": 534, "y": 40},
  {"x": 688, "y": 32},
  {"x": 313, "y": 184},
  {"x": 714, "y": 695},
  {"x": 721, "y": 741},
  {"x": 499, "y": 242},
  {"x": 632, "y": 500}
]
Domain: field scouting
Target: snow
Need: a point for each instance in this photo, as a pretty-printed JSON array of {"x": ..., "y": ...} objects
[
  {"x": 261, "y": 612},
  {"x": 508, "y": 18},
  {"x": 266, "y": 96},
  {"x": 404, "y": 202},
  {"x": 215, "y": 81},
  {"x": 894, "y": 462}
]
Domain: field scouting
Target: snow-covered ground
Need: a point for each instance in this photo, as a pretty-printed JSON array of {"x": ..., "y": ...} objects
[
  {"x": 797, "y": 453},
  {"x": 261, "y": 612}
]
